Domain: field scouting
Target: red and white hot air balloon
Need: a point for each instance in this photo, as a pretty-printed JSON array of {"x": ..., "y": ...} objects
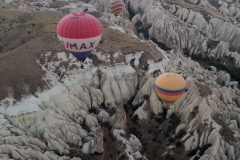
[{"x": 79, "y": 33}]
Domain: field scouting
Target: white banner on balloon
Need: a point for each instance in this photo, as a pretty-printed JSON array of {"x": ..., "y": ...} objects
[{"x": 80, "y": 45}]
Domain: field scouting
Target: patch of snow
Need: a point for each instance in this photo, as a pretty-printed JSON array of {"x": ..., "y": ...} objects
[
  {"x": 135, "y": 56},
  {"x": 2, "y": 120},
  {"x": 19, "y": 108},
  {"x": 48, "y": 54},
  {"x": 31, "y": 103},
  {"x": 102, "y": 57},
  {"x": 118, "y": 28},
  {"x": 87, "y": 63},
  {"x": 117, "y": 54},
  {"x": 156, "y": 66},
  {"x": 1, "y": 116},
  {"x": 125, "y": 69},
  {"x": 88, "y": 5},
  {"x": 86, "y": 147},
  {"x": 141, "y": 113},
  {"x": 130, "y": 151},
  {"x": 135, "y": 36},
  {"x": 70, "y": 6}
]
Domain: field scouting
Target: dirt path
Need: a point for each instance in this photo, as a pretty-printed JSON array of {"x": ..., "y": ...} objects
[{"x": 199, "y": 9}]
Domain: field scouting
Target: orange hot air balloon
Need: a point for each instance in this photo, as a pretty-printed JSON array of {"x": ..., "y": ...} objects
[
  {"x": 170, "y": 87},
  {"x": 116, "y": 6}
]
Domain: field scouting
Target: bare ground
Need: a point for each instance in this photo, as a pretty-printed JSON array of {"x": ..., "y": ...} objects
[
  {"x": 226, "y": 132},
  {"x": 204, "y": 90},
  {"x": 203, "y": 10},
  {"x": 113, "y": 40},
  {"x": 25, "y": 35}
]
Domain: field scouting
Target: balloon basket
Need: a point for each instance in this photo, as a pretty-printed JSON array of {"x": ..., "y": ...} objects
[{"x": 82, "y": 65}]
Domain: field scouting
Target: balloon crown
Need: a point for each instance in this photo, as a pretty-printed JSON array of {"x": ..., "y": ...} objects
[
  {"x": 171, "y": 75},
  {"x": 79, "y": 14}
]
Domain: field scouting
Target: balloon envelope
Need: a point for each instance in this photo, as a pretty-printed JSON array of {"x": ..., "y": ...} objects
[
  {"x": 170, "y": 87},
  {"x": 79, "y": 33},
  {"x": 116, "y": 6}
]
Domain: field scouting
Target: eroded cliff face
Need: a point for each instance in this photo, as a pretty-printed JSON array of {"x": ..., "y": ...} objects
[
  {"x": 227, "y": 8},
  {"x": 201, "y": 29},
  {"x": 106, "y": 107},
  {"x": 197, "y": 31}
]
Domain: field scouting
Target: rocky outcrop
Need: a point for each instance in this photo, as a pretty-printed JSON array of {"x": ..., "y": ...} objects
[
  {"x": 103, "y": 116},
  {"x": 120, "y": 119},
  {"x": 200, "y": 32},
  {"x": 142, "y": 112},
  {"x": 133, "y": 145},
  {"x": 95, "y": 144}
]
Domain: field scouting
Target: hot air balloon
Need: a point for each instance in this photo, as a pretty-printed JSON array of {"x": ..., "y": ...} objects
[
  {"x": 79, "y": 33},
  {"x": 170, "y": 87},
  {"x": 116, "y": 6}
]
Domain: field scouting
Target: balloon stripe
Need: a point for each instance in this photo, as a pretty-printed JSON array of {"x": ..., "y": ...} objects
[
  {"x": 168, "y": 104},
  {"x": 113, "y": 3},
  {"x": 112, "y": 6},
  {"x": 116, "y": 12},
  {"x": 116, "y": 1},
  {"x": 170, "y": 94},
  {"x": 115, "y": 9},
  {"x": 65, "y": 26},
  {"x": 92, "y": 25},
  {"x": 170, "y": 90},
  {"x": 169, "y": 98},
  {"x": 168, "y": 101},
  {"x": 117, "y": 4}
]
